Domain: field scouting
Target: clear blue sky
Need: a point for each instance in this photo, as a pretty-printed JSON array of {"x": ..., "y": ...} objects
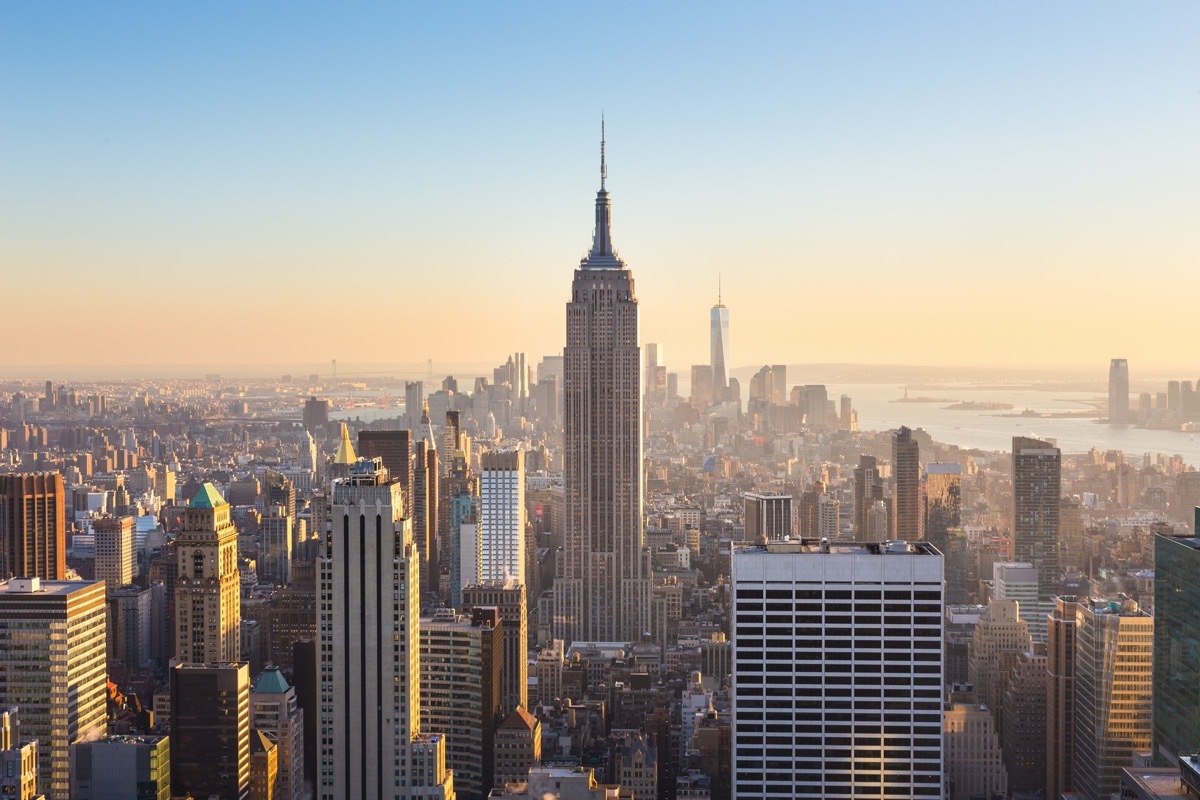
[{"x": 1023, "y": 176}]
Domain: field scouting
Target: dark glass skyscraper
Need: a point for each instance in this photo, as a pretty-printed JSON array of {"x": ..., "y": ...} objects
[
  {"x": 1176, "y": 648},
  {"x": 1037, "y": 482},
  {"x": 943, "y": 505},
  {"x": 906, "y": 472},
  {"x": 602, "y": 587}
]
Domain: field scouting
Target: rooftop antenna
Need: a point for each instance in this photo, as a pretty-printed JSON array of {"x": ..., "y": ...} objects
[
  {"x": 718, "y": 288},
  {"x": 603, "y": 165}
]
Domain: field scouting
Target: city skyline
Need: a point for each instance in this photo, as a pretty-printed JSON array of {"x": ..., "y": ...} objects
[{"x": 893, "y": 145}]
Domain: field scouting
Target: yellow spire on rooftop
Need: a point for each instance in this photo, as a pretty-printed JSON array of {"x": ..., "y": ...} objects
[{"x": 345, "y": 451}]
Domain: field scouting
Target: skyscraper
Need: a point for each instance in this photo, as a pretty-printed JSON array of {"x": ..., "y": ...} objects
[
  {"x": 33, "y": 526},
  {"x": 1118, "y": 390},
  {"x": 1037, "y": 477},
  {"x": 210, "y": 730},
  {"x": 461, "y": 658},
  {"x": 868, "y": 490},
  {"x": 114, "y": 550},
  {"x": 841, "y": 645},
  {"x": 702, "y": 387},
  {"x": 275, "y": 711},
  {"x": 208, "y": 603},
  {"x": 52, "y": 635},
  {"x": 653, "y": 363},
  {"x": 1114, "y": 646},
  {"x": 502, "y": 515},
  {"x": 906, "y": 473},
  {"x": 395, "y": 448},
  {"x": 767, "y": 516},
  {"x": 943, "y": 502},
  {"x": 1176, "y": 645},
  {"x": 719, "y": 347},
  {"x": 276, "y": 537},
  {"x": 424, "y": 511},
  {"x": 461, "y": 497},
  {"x": 1060, "y": 696},
  {"x": 369, "y": 657},
  {"x": 602, "y": 587},
  {"x": 508, "y": 597},
  {"x": 121, "y": 766}
]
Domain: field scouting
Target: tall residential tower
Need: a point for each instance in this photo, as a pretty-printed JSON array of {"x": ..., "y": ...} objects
[
  {"x": 1037, "y": 484},
  {"x": 602, "y": 590}
]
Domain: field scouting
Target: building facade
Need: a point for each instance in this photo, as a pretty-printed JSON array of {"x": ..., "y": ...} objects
[
  {"x": 1118, "y": 390},
  {"x": 1114, "y": 647},
  {"x": 210, "y": 730},
  {"x": 33, "y": 526},
  {"x": 52, "y": 635},
  {"x": 208, "y": 605},
  {"x": 837, "y": 650},
  {"x": 719, "y": 348},
  {"x": 122, "y": 766},
  {"x": 602, "y": 583},
  {"x": 509, "y": 598},
  {"x": 1176, "y": 648},
  {"x": 906, "y": 477},
  {"x": 1060, "y": 696},
  {"x": 502, "y": 515},
  {"x": 275, "y": 711},
  {"x": 368, "y": 589},
  {"x": 114, "y": 550},
  {"x": 943, "y": 503},
  {"x": 1037, "y": 488},
  {"x": 767, "y": 516},
  {"x": 461, "y": 657}
]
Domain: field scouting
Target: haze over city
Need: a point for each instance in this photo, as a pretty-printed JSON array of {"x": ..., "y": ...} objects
[
  {"x": 1011, "y": 186},
  {"x": 599, "y": 402}
]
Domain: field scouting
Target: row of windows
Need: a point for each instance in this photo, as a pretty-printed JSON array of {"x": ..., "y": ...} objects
[{"x": 746, "y": 593}]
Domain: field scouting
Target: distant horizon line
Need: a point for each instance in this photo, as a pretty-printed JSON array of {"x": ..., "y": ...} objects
[{"x": 474, "y": 368}]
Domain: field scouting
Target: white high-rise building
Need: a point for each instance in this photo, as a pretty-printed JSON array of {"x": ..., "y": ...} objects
[
  {"x": 837, "y": 678},
  {"x": 602, "y": 586},
  {"x": 502, "y": 516},
  {"x": 369, "y": 657}
]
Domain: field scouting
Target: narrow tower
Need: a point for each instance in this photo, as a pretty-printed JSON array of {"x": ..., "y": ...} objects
[
  {"x": 602, "y": 590},
  {"x": 719, "y": 346},
  {"x": 208, "y": 606}
]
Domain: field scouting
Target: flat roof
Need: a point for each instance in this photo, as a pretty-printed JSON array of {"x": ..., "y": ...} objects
[
  {"x": 818, "y": 547},
  {"x": 12, "y": 588}
]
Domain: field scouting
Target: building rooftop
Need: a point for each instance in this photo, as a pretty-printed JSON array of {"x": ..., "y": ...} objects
[
  {"x": 817, "y": 547},
  {"x": 1186, "y": 541},
  {"x": 131, "y": 739},
  {"x": 345, "y": 451},
  {"x": 271, "y": 682},
  {"x": 43, "y": 588},
  {"x": 208, "y": 497},
  {"x": 520, "y": 719}
]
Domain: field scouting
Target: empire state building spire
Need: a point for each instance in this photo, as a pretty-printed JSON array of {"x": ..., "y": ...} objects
[{"x": 602, "y": 255}]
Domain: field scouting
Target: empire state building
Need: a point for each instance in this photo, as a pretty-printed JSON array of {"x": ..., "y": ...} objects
[{"x": 602, "y": 582}]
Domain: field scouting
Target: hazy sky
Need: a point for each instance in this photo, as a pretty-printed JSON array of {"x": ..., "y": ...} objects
[{"x": 269, "y": 182}]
